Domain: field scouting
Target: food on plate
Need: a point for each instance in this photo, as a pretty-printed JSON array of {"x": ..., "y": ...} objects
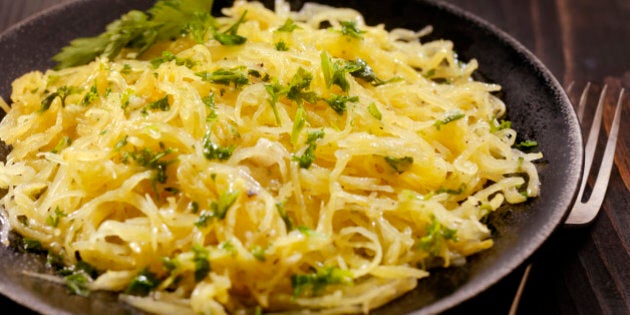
[{"x": 261, "y": 161}]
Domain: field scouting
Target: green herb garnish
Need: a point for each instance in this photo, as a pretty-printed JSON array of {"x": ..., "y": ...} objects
[
  {"x": 229, "y": 37},
  {"x": 288, "y": 26},
  {"x": 435, "y": 236},
  {"x": 282, "y": 46},
  {"x": 143, "y": 283},
  {"x": 62, "y": 93},
  {"x": 77, "y": 284},
  {"x": 400, "y": 165},
  {"x": 300, "y": 82},
  {"x": 285, "y": 217},
  {"x": 55, "y": 216},
  {"x": 338, "y": 102},
  {"x": 213, "y": 151},
  {"x": 90, "y": 96},
  {"x": 30, "y": 245},
  {"x": 161, "y": 104},
  {"x": 449, "y": 119},
  {"x": 218, "y": 209},
  {"x": 314, "y": 283},
  {"x": 202, "y": 265},
  {"x": 275, "y": 91},
  {"x": 166, "y": 20},
  {"x": 359, "y": 68},
  {"x": 449, "y": 191},
  {"x": 63, "y": 143},
  {"x": 153, "y": 160},
  {"x": 168, "y": 56},
  {"x": 373, "y": 110},
  {"x": 226, "y": 77},
  {"x": 335, "y": 71},
  {"x": 306, "y": 159},
  {"x": 298, "y": 124},
  {"x": 349, "y": 28},
  {"x": 503, "y": 124},
  {"x": 259, "y": 253},
  {"x": 526, "y": 145}
]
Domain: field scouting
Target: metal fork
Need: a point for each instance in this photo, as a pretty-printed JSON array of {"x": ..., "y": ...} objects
[{"x": 584, "y": 212}]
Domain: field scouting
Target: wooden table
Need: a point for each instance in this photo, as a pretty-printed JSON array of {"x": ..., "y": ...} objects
[{"x": 578, "y": 271}]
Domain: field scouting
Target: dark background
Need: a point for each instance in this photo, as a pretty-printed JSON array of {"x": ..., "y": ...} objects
[{"x": 580, "y": 270}]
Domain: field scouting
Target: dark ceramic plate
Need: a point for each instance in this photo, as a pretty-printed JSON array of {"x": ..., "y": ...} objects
[{"x": 537, "y": 107}]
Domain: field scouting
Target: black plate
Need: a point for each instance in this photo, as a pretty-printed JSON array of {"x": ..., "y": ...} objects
[{"x": 537, "y": 107}]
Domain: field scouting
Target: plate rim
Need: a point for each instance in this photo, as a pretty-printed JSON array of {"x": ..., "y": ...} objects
[{"x": 464, "y": 292}]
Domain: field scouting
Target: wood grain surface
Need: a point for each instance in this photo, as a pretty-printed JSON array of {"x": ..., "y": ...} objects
[{"x": 581, "y": 270}]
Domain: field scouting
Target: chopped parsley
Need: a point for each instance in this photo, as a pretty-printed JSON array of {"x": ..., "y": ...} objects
[
  {"x": 144, "y": 282},
  {"x": 373, "y": 110},
  {"x": 338, "y": 102},
  {"x": 153, "y": 160},
  {"x": 78, "y": 277},
  {"x": 77, "y": 283},
  {"x": 359, "y": 68},
  {"x": 227, "y": 246},
  {"x": 300, "y": 82},
  {"x": 259, "y": 253},
  {"x": 202, "y": 265},
  {"x": 349, "y": 28},
  {"x": 435, "y": 236},
  {"x": 314, "y": 283},
  {"x": 226, "y": 200},
  {"x": 307, "y": 158},
  {"x": 161, "y": 104},
  {"x": 210, "y": 105},
  {"x": 449, "y": 191},
  {"x": 288, "y": 26},
  {"x": 285, "y": 217},
  {"x": 298, "y": 124},
  {"x": 168, "y": 56},
  {"x": 449, "y": 119},
  {"x": 120, "y": 144},
  {"x": 62, "y": 93},
  {"x": 55, "y": 216},
  {"x": 63, "y": 143},
  {"x": 23, "y": 219},
  {"x": 30, "y": 245},
  {"x": 169, "y": 264},
  {"x": 429, "y": 74},
  {"x": 90, "y": 96},
  {"x": 226, "y": 77},
  {"x": 305, "y": 230},
  {"x": 526, "y": 145},
  {"x": 193, "y": 206},
  {"x": 282, "y": 46},
  {"x": 503, "y": 124},
  {"x": 229, "y": 37},
  {"x": 275, "y": 91},
  {"x": 335, "y": 71},
  {"x": 218, "y": 209},
  {"x": 126, "y": 69},
  {"x": 213, "y": 151},
  {"x": 400, "y": 165}
]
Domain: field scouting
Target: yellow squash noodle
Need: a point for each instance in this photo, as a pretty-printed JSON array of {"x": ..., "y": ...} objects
[{"x": 322, "y": 166}]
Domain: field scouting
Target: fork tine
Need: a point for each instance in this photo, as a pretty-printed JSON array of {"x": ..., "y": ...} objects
[
  {"x": 582, "y": 102},
  {"x": 603, "y": 176},
  {"x": 583, "y": 213},
  {"x": 593, "y": 137},
  {"x": 569, "y": 88}
]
